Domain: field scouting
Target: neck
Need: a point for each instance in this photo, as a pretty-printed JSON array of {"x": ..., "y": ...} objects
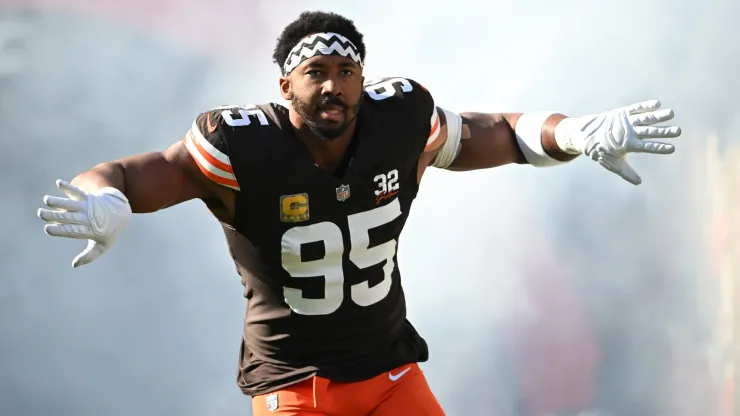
[{"x": 327, "y": 154}]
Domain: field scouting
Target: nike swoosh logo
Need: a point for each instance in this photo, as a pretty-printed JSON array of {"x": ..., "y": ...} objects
[
  {"x": 210, "y": 125},
  {"x": 395, "y": 377}
]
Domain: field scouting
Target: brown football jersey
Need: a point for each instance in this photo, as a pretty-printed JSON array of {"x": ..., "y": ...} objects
[{"x": 317, "y": 251}]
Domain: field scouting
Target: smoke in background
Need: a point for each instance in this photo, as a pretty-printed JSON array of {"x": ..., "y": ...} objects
[{"x": 153, "y": 327}]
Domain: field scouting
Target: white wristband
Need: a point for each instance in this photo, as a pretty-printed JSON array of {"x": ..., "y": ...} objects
[{"x": 529, "y": 136}]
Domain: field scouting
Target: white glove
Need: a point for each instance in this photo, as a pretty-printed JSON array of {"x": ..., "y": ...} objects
[
  {"x": 608, "y": 137},
  {"x": 97, "y": 217}
]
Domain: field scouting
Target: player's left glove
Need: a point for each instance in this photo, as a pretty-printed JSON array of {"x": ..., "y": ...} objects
[{"x": 609, "y": 136}]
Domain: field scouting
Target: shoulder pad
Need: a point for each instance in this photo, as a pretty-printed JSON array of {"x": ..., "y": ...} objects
[
  {"x": 236, "y": 116},
  {"x": 409, "y": 100},
  {"x": 393, "y": 87},
  {"x": 211, "y": 132},
  {"x": 207, "y": 144}
]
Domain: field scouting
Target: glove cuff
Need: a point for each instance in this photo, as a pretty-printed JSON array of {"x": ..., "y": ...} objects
[
  {"x": 109, "y": 190},
  {"x": 568, "y": 136}
]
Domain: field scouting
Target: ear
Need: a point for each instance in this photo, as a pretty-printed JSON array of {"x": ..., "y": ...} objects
[{"x": 285, "y": 88}]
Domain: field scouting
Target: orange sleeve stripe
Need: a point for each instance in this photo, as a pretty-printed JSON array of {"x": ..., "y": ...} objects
[
  {"x": 209, "y": 170},
  {"x": 435, "y": 140},
  {"x": 231, "y": 183},
  {"x": 207, "y": 156},
  {"x": 435, "y": 126}
]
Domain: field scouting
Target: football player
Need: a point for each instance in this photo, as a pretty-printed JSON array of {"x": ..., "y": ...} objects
[{"x": 313, "y": 197}]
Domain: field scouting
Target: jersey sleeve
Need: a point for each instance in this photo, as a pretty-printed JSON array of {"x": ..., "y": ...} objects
[
  {"x": 417, "y": 103},
  {"x": 430, "y": 118},
  {"x": 435, "y": 140},
  {"x": 207, "y": 145}
]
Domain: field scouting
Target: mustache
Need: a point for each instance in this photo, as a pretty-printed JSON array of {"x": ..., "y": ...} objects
[{"x": 328, "y": 100}]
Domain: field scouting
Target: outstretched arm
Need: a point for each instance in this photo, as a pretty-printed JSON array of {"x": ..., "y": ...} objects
[
  {"x": 101, "y": 201},
  {"x": 494, "y": 141},
  {"x": 152, "y": 181},
  {"x": 472, "y": 141}
]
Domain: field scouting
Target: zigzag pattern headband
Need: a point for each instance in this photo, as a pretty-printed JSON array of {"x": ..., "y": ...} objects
[{"x": 321, "y": 44}]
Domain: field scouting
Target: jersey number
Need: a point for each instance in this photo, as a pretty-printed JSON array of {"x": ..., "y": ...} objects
[
  {"x": 387, "y": 88},
  {"x": 330, "y": 267},
  {"x": 245, "y": 112},
  {"x": 387, "y": 182}
]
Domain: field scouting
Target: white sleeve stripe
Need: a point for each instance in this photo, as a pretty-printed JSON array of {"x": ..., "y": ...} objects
[
  {"x": 205, "y": 163},
  {"x": 208, "y": 147}
]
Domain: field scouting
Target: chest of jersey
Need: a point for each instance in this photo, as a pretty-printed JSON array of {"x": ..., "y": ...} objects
[{"x": 328, "y": 241}]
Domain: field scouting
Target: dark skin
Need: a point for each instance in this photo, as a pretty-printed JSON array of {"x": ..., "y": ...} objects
[
  {"x": 158, "y": 180},
  {"x": 320, "y": 76}
]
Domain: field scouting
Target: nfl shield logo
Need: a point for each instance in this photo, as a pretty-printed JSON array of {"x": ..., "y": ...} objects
[
  {"x": 272, "y": 402},
  {"x": 342, "y": 193}
]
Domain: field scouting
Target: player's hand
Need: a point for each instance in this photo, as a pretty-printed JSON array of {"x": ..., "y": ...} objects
[
  {"x": 609, "y": 136},
  {"x": 94, "y": 216}
]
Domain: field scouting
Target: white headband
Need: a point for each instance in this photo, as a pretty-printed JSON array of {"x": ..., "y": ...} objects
[{"x": 321, "y": 44}]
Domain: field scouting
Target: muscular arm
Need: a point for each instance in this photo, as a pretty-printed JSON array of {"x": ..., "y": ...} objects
[
  {"x": 488, "y": 140},
  {"x": 198, "y": 167},
  {"x": 153, "y": 181}
]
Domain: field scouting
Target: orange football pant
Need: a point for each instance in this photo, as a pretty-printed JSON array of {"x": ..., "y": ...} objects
[{"x": 401, "y": 392}]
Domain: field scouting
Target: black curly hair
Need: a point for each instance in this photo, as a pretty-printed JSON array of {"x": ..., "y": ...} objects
[{"x": 309, "y": 23}]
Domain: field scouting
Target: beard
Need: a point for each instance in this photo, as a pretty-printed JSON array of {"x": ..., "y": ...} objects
[{"x": 324, "y": 129}]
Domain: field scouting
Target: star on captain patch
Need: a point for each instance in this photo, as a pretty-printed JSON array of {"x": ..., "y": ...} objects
[{"x": 342, "y": 193}]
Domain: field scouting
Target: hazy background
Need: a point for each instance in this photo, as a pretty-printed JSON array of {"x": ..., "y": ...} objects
[{"x": 539, "y": 290}]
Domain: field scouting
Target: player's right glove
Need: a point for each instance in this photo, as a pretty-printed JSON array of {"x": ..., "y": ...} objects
[{"x": 94, "y": 216}]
